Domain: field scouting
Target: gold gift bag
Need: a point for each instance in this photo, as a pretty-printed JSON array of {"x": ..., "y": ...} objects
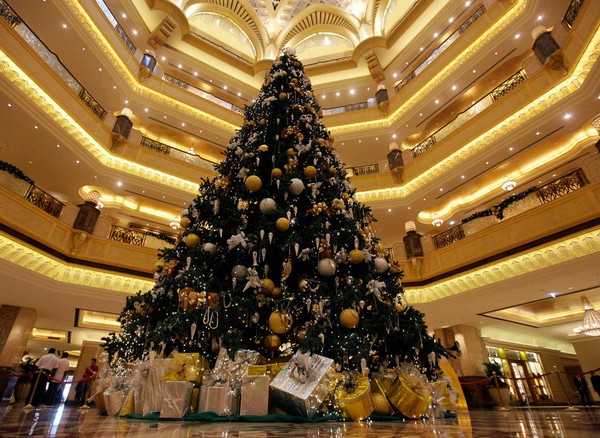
[
  {"x": 409, "y": 396},
  {"x": 186, "y": 366},
  {"x": 356, "y": 402},
  {"x": 128, "y": 407},
  {"x": 380, "y": 386}
]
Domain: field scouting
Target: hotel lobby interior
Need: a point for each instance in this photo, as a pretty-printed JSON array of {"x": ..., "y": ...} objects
[{"x": 262, "y": 218}]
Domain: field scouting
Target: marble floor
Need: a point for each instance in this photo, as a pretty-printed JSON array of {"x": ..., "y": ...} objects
[{"x": 71, "y": 422}]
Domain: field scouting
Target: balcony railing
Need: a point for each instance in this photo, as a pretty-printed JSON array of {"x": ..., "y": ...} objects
[
  {"x": 49, "y": 57},
  {"x": 203, "y": 94},
  {"x": 364, "y": 170},
  {"x": 178, "y": 154},
  {"x": 441, "y": 48},
  {"x": 140, "y": 237},
  {"x": 572, "y": 13},
  {"x": 539, "y": 196},
  {"x": 505, "y": 88},
  {"x": 44, "y": 201},
  {"x": 370, "y": 103},
  {"x": 115, "y": 24}
]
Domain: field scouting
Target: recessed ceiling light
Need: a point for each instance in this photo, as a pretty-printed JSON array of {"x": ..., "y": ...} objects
[
  {"x": 435, "y": 35},
  {"x": 195, "y": 73},
  {"x": 343, "y": 143},
  {"x": 99, "y": 68},
  {"x": 441, "y": 189},
  {"x": 134, "y": 32},
  {"x": 64, "y": 25},
  {"x": 163, "y": 196},
  {"x": 437, "y": 101},
  {"x": 119, "y": 183},
  {"x": 163, "y": 58},
  {"x": 182, "y": 123},
  {"x": 323, "y": 96},
  {"x": 454, "y": 87},
  {"x": 35, "y": 127},
  {"x": 552, "y": 294},
  {"x": 225, "y": 87},
  {"x": 394, "y": 136},
  {"x": 143, "y": 191},
  {"x": 146, "y": 110},
  {"x": 337, "y": 93},
  {"x": 451, "y": 19},
  {"x": 368, "y": 88},
  {"x": 462, "y": 177},
  {"x": 165, "y": 117},
  {"x": 424, "y": 199},
  {"x": 352, "y": 91},
  {"x": 420, "y": 114},
  {"x": 537, "y": 133},
  {"x": 540, "y": 17},
  {"x": 567, "y": 116},
  {"x": 495, "y": 53},
  {"x": 517, "y": 36},
  {"x": 409, "y": 208},
  {"x": 474, "y": 71},
  {"x": 114, "y": 87},
  {"x": 395, "y": 75},
  {"x": 9, "y": 105},
  {"x": 30, "y": 162},
  {"x": 77, "y": 161},
  {"x": 451, "y": 222},
  {"x": 83, "y": 49},
  {"x": 179, "y": 66},
  {"x": 389, "y": 210},
  {"x": 376, "y": 138},
  {"x": 487, "y": 163},
  {"x": 468, "y": 3},
  {"x": 126, "y": 101},
  {"x": 359, "y": 140},
  {"x": 124, "y": 15},
  {"x": 511, "y": 148},
  {"x": 420, "y": 49},
  {"x": 95, "y": 176},
  {"x": 239, "y": 93}
]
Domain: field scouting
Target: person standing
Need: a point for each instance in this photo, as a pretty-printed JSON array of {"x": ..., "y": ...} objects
[
  {"x": 46, "y": 366},
  {"x": 57, "y": 379},
  {"x": 582, "y": 388},
  {"x": 596, "y": 382},
  {"x": 84, "y": 383}
]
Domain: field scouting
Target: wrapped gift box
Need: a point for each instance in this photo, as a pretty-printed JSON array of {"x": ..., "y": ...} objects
[
  {"x": 186, "y": 366},
  {"x": 302, "y": 385},
  {"x": 270, "y": 369},
  {"x": 152, "y": 386},
  {"x": 254, "y": 398},
  {"x": 217, "y": 398},
  {"x": 113, "y": 401},
  {"x": 176, "y": 399},
  {"x": 355, "y": 399}
]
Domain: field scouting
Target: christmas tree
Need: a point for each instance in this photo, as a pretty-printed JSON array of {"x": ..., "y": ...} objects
[{"x": 276, "y": 255}]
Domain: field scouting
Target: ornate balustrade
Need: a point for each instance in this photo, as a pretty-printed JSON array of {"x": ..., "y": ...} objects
[
  {"x": 127, "y": 235},
  {"x": 117, "y": 26},
  {"x": 49, "y": 57},
  {"x": 178, "y": 154},
  {"x": 549, "y": 192},
  {"x": 505, "y": 88},
  {"x": 441, "y": 48},
  {"x": 348, "y": 108},
  {"x": 364, "y": 170},
  {"x": 44, "y": 201}
]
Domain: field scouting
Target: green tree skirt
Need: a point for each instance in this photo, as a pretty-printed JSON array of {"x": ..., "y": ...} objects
[{"x": 272, "y": 418}]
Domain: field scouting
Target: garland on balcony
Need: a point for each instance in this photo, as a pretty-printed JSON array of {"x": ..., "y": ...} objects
[
  {"x": 498, "y": 210},
  {"x": 15, "y": 171}
]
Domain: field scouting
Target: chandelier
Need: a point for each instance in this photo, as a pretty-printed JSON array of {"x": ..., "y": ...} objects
[{"x": 591, "y": 319}]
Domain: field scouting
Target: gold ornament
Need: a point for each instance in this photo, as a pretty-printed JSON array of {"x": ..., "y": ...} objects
[
  {"x": 332, "y": 171},
  {"x": 212, "y": 298},
  {"x": 272, "y": 342},
  {"x": 310, "y": 171},
  {"x": 267, "y": 285},
  {"x": 282, "y": 224},
  {"x": 276, "y": 292},
  {"x": 301, "y": 334},
  {"x": 276, "y": 173},
  {"x": 338, "y": 204},
  {"x": 283, "y": 97},
  {"x": 280, "y": 322},
  {"x": 191, "y": 240},
  {"x": 303, "y": 285},
  {"x": 263, "y": 148},
  {"x": 291, "y": 152},
  {"x": 349, "y": 318},
  {"x": 253, "y": 183},
  {"x": 185, "y": 221},
  {"x": 356, "y": 256}
]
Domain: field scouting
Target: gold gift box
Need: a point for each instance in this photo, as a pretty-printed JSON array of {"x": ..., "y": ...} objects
[
  {"x": 412, "y": 401},
  {"x": 186, "y": 366},
  {"x": 356, "y": 404}
]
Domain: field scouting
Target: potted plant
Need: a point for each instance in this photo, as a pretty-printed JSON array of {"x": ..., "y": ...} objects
[
  {"x": 498, "y": 387},
  {"x": 25, "y": 370}
]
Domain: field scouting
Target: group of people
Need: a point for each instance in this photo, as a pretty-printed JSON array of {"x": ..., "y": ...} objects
[
  {"x": 50, "y": 377},
  {"x": 583, "y": 390}
]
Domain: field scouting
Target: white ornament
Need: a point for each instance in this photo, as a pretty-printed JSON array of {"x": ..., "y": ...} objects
[
  {"x": 296, "y": 186},
  {"x": 239, "y": 271},
  {"x": 327, "y": 267},
  {"x": 381, "y": 264},
  {"x": 209, "y": 247},
  {"x": 267, "y": 206}
]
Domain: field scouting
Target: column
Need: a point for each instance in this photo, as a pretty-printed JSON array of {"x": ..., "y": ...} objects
[{"x": 89, "y": 350}]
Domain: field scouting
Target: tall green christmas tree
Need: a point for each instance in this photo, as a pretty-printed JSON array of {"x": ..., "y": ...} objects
[{"x": 276, "y": 255}]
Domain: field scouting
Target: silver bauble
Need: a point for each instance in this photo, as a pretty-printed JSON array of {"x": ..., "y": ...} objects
[
  {"x": 326, "y": 267},
  {"x": 239, "y": 271},
  {"x": 381, "y": 264},
  {"x": 209, "y": 247},
  {"x": 296, "y": 186},
  {"x": 267, "y": 206}
]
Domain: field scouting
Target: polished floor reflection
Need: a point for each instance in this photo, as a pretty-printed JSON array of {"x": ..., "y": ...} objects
[{"x": 72, "y": 422}]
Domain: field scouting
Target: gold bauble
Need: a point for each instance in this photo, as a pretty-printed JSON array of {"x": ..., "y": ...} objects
[
  {"x": 267, "y": 285},
  {"x": 276, "y": 173},
  {"x": 191, "y": 240},
  {"x": 276, "y": 292},
  {"x": 253, "y": 183},
  {"x": 280, "y": 322},
  {"x": 303, "y": 285},
  {"x": 282, "y": 224},
  {"x": 283, "y": 97},
  {"x": 291, "y": 152},
  {"x": 338, "y": 204},
  {"x": 272, "y": 342},
  {"x": 356, "y": 256},
  {"x": 310, "y": 171},
  {"x": 349, "y": 318},
  {"x": 381, "y": 405},
  {"x": 263, "y": 148},
  {"x": 332, "y": 171},
  {"x": 184, "y": 221},
  {"x": 301, "y": 334}
]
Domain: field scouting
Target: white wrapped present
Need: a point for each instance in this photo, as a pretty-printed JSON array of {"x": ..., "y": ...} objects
[{"x": 176, "y": 398}]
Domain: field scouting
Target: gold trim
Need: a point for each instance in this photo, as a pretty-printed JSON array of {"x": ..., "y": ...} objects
[
  {"x": 572, "y": 248},
  {"x": 29, "y": 258}
]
